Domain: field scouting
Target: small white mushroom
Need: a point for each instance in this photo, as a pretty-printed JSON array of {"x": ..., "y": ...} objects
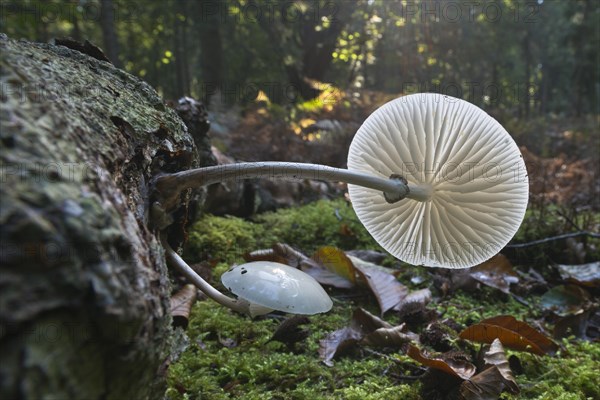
[
  {"x": 275, "y": 286},
  {"x": 261, "y": 287},
  {"x": 467, "y": 179}
]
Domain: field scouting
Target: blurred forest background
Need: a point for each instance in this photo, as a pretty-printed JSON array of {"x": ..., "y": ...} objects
[
  {"x": 293, "y": 79},
  {"x": 529, "y": 57}
]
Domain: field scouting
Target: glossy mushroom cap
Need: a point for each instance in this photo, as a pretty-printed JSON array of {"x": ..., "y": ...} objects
[
  {"x": 277, "y": 286},
  {"x": 468, "y": 182}
]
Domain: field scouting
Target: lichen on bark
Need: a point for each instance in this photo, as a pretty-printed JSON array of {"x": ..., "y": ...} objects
[{"x": 83, "y": 283}]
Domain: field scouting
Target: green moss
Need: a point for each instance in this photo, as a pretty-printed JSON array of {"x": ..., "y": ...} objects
[
  {"x": 571, "y": 374},
  {"x": 254, "y": 368},
  {"x": 372, "y": 390},
  {"x": 322, "y": 223},
  {"x": 469, "y": 308},
  {"x": 222, "y": 238}
]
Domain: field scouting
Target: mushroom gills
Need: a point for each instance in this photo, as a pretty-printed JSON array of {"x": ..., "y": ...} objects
[{"x": 467, "y": 181}]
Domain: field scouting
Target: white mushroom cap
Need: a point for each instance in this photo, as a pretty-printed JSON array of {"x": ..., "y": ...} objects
[
  {"x": 467, "y": 179},
  {"x": 277, "y": 286}
]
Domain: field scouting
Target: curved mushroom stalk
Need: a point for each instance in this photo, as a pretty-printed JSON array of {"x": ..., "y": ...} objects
[
  {"x": 434, "y": 179},
  {"x": 261, "y": 287},
  {"x": 168, "y": 186},
  {"x": 177, "y": 262}
]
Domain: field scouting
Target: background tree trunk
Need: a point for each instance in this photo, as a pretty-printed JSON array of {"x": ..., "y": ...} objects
[
  {"x": 84, "y": 290},
  {"x": 182, "y": 75},
  {"x": 211, "y": 50},
  {"x": 107, "y": 21}
]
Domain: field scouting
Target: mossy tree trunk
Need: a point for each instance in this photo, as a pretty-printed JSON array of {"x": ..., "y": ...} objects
[{"x": 84, "y": 287}]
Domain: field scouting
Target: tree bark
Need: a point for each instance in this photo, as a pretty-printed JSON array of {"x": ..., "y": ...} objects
[{"x": 84, "y": 289}]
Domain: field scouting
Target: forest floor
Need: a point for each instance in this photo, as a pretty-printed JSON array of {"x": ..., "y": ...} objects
[{"x": 225, "y": 355}]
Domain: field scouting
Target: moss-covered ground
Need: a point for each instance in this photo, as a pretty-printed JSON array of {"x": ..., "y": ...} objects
[{"x": 230, "y": 356}]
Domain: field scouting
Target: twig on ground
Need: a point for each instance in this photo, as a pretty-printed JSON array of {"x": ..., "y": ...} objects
[{"x": 554, "y": 238}]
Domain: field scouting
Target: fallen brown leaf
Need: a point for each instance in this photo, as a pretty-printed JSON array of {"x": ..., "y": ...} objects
[
  {"x": 448, "y": 364},
  {"x": 181, "y": 305},
  {"x": 337, "y": 343},
  {"x": 514, "y": 334},
  {"x": 387, "y": 289},
  {"x": 577, "y": 325},
  {"x": 497, "y": 272},
  {"x": 487, "y": 385},
  {"x": 365, "y": 322},
  {"x": 336, "y": 261},
  {"x": 524, "y": 329},
  {"x": 583, "y": 274},
  {"x": 496, "y": 357},
  {"x": 335, "y": 268},
  {"x": 566, "y": 300},
  {"x": 327, "y": 277},
  {"x": 373, "y": 256},
  {"x": 417, "y": 299},
  {"x": 327, "y": 274},
  {"x": 347, "y": 338},
  {"x": 393, "y": 337}
]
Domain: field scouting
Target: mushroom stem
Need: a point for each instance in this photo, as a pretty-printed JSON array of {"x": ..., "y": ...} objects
[
  {"x": 181, "y": 266},
  {"x": 175, "y": 183},
  {"x": 421, "y": 192}
]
